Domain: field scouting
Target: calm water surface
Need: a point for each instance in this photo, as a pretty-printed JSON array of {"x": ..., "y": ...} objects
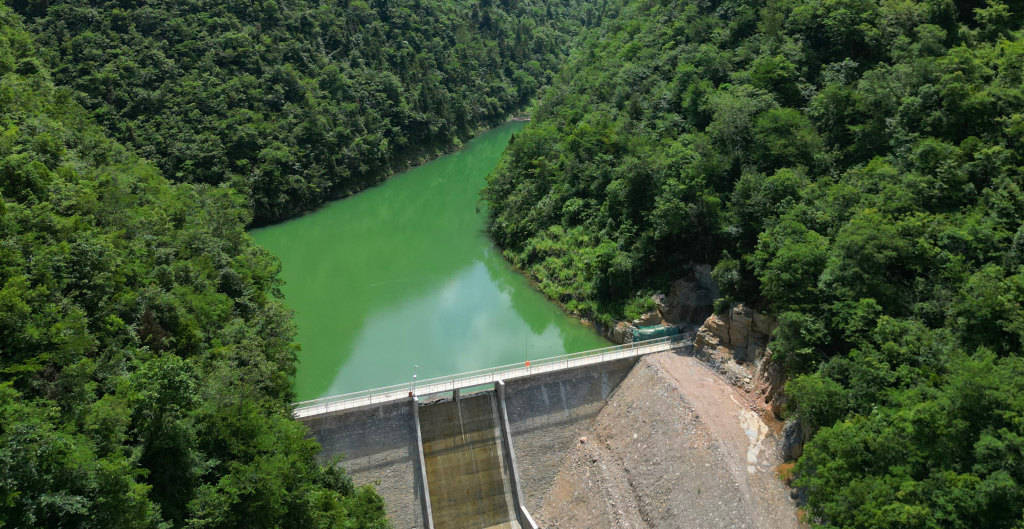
[{"x": 403, "y": 275}]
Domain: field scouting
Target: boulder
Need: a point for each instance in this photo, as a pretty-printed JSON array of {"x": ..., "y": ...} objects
[
  {"x": 648, "y": 319},
  {"x": 717, "y": 326},
  {"x": 704, "y": 341},
  {"x": 622, "y": 332},
  {"x": 792, "y": 440},
  {"x": 710, "y": 335}
]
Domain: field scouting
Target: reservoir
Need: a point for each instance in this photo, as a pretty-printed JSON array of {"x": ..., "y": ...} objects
[{"x": 403, "y": 275}]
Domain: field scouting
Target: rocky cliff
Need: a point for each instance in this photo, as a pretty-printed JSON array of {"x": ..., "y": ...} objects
[
  {"x": 736, "y": 345},
  {"x": 689, "y": 300}
]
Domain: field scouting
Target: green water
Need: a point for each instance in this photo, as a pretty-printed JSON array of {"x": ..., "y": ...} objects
[{"x": 402, "y": 275}]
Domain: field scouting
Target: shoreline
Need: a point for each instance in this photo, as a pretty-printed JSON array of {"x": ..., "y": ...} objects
[
  {"x": 403, "y": 162},
  {"x": 462, "y": 230}
]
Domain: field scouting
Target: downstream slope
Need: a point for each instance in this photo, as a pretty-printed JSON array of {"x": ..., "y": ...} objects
[
  {"x": 854, "y": 168},
  {"x": 144, "y": 361},
  {"x": 675, "y": 447},
  {"x": 293, "y": 102}
]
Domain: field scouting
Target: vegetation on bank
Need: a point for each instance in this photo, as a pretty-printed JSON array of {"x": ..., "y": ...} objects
[
  {"x": 145, "y": 359},
  {"x": 855, "y": 167},
  {"x": 292, "y": 102}
]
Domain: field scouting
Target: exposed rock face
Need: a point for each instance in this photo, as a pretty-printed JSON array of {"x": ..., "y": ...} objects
[
  {"x": 740, "y": 320},
  {"x": 742, "y": 332},
  {"x": 691, "y": 298},
  {"x": 648, "y": 319},
  {"x": 622, "y": 332},
  {"x": 717, "y": 329},
  {"x": 736, "y": 344},
  {"x": 764, "y": 324},
  {"x": 793, "y": 437},
  {"x": 771, "y": 381}
]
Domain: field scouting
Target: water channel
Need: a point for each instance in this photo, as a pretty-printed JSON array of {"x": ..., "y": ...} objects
[{"x": 403, "y": 275}]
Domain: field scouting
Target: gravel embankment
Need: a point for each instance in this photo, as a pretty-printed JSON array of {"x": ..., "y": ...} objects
[{"x": 675, "y": 447}]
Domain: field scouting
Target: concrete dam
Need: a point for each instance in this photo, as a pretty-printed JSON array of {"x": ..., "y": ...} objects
[{"x": 470, "y": 457}]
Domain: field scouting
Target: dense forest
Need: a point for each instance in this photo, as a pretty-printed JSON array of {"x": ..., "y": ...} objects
[
  {"x": 145, "y": 358},
  {"x": 854, "y": 167},
  {"x": 292, "y": 102}
]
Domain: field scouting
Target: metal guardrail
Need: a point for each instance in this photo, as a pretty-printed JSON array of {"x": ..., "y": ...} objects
[{"x": 334, "y": 403}]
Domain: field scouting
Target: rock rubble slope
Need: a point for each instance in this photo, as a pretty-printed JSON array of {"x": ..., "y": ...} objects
[{"x": 675, "y": 447}]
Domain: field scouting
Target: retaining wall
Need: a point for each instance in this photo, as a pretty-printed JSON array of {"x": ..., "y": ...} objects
[{"x": 378, "y": 446}]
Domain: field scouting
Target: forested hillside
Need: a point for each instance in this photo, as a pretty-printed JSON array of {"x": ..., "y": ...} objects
[
  {"x": 853, "y": 166},
  {"x": 292, "y": 102},
  {"x": 145, "y": 360}
]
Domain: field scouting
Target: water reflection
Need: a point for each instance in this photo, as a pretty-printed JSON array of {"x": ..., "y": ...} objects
[{"x": 402, "y": 274}]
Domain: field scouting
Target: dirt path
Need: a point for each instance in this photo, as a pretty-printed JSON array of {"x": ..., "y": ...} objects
[{"x": 675, "y": 447}]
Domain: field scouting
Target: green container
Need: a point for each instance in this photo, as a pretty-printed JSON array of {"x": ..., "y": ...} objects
[{"x": 654, "y": 331}]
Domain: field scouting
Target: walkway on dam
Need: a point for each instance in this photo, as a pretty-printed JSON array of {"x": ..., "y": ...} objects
[{"x": 337, "y": 403}]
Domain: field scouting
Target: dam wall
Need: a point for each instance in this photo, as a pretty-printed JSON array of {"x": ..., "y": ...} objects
[
  {"x": 547, "y": 414},
  {"x": 378, "y": 447}
]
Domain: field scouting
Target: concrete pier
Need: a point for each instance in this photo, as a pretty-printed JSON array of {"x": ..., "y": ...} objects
[
  {"x": 522, "y": 513},
  {"x": 428, "y": 515}
]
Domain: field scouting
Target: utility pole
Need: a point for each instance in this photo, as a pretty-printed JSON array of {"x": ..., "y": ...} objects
[{"x": 412, "y": 385}]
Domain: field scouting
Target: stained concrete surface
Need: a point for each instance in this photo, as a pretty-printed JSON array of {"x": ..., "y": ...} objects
[
  {"x": 469, "y": 488},
  {"x": 547, "y": 415},
  {"x": 378, "y": 447}
]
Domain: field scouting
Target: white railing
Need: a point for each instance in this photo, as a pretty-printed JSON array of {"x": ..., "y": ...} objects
[{"x": 334, "y": 403}]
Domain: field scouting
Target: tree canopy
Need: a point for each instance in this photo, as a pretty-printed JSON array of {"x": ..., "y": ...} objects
[
  {"x": 854, "y": 167},
  {"x": 293, "y": 102},
  {"x": 145, "y": 355}
]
